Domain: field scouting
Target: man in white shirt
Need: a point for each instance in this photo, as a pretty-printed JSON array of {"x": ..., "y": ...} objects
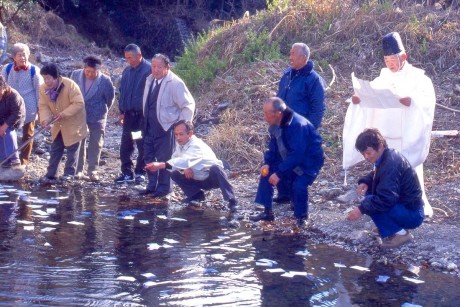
[
  {"x": 194, "y": 167},
  {"x": 406, "y": 126}
]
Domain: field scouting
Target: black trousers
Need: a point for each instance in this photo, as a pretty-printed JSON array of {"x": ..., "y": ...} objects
[
  {"x": 159, "y": 148},
  {"x": 217, "y": 179},
  {"x": 133, "y": 121}
]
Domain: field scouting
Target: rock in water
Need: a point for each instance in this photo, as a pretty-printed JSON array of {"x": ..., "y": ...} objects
[{"x": 11, "y": 174}]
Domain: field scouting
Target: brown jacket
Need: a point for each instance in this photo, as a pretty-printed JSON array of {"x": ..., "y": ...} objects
[{"x": 71, "y": 106}]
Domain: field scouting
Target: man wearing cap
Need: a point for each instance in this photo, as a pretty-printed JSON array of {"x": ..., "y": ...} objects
[
  {"x": 406, "y": 126},
  {"x": 302, "y": 89}
]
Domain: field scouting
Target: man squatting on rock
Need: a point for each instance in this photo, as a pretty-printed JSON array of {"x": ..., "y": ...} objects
[
  {"x": 302, "y": 89},
  {"x": 294, "y": 154},
  {"x": 195, "y": 167},
  {"x": 393, "y": 197}
]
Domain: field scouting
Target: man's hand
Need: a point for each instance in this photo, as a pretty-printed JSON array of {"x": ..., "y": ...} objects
[
  {"x": 264, "y": 170},
  {"x": 188, "y": 173},
  {"x": 405, "y": 101},
  {"x": 355, "y": 99},
  {"x": 3, "y": 129},
  {"x": 354, "y": 214},
  {"x": 58, "y": 117},
  {"x": 154, "y": 166},
  {"x": 274, "y": 179},
  {"x": 361, "y": 190},
  {"x": 121, "y": 117}
]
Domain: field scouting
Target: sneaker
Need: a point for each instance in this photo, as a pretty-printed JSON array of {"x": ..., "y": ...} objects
[
  {"x": 124, "y": 178},
  {"x": 66, "y": 178},
  {"x": 139, "y": 178},
  {"x": 48, "y": 179},
  {"x": 264, "y": 216},
  {"x": 232, "y": 205},
  {"x": 194, "y": 198},
  {"x": 81, "y": 176},
  {"x": 396, "y": 240}
]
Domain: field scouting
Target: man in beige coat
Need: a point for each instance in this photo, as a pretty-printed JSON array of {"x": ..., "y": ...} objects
[{"x": 62, "y": 101}]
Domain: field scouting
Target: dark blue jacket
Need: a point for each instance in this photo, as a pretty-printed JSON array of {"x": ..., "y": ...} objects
[
  {"x": 303, "y": 92},
  {"x": 392, "y": 182},
  {"x": 132, "y": 87},
  {"x": 303, "y": 145}
]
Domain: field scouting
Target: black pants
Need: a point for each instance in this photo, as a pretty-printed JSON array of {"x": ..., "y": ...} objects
[
  {"x": 217, "y": 179},
  {"x": 133, "y": 121},
  {"x": 159, "y": 147}
]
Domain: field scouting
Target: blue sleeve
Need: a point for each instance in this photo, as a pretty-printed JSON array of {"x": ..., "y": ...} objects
[
  {"x": 295, "y": 143},
  {"x": 270, "y": 156},
  {"x": 317, "y": 106},
  {"x": 386, "y": 193}
]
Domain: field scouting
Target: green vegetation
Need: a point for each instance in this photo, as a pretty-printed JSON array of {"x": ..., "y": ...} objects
[{"x": 192, "y": 71}]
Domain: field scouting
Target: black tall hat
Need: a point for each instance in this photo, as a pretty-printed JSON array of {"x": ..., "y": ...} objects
[{"x": 392, "y": 44}]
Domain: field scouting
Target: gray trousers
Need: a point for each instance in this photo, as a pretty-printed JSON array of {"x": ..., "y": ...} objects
[
  {"x": 56, "y": 153},
  {"x": 93, "y": 153},
  {"x": 217, "y": 179}
]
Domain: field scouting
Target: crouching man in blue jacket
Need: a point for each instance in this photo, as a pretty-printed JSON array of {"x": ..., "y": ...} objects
[
  {"x": 294, "y": 155},
  {"x": 393, "y": 197}
]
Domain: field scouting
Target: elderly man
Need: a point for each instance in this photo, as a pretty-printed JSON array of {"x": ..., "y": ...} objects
[
  {"x": 25, "y": 78},
  {"x": 294, "y": 154},
  {"x": 166, "y": 101},
  {"x": 130, "y": 105},
  {"x": 303, "y": 91},
  {"x": 393, "y": 197},
  {"x": 195, "y": 167},
  {"x": 417, "y": 101}
]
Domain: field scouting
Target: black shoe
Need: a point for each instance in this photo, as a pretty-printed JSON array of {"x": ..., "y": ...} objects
[
  {"x": 232, "y": 205},
  {"x": 302, "y": 222},
  {"x": 124, "y": 178},
  {"x": 146, "y": 192},
  {"x": 264, "y": 216},
  {"x": 194, "y": 198},
  {"x": 282, "y": 200},
  {"x": 159, "y": 194}
]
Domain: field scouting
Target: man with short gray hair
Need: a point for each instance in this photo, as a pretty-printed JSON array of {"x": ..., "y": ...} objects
[
  {"x": 303, "y": 91},
  {"x": 294, "y": 156},
  {"x": 166, "y": 101},
  {"x": 130, "y": 105}
]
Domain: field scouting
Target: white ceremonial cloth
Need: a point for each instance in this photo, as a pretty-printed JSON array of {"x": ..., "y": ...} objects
[{"x": 406, "y": 129}]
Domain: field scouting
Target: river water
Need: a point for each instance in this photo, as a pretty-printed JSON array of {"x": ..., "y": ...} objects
[{"x": 77, "y": 247}]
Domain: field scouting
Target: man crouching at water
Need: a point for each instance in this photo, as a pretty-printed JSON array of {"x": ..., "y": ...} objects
[
  {"x": 294, "y": 155},
  {"x": 195, "y": 167},
  {"x": 393, "y": 197}
]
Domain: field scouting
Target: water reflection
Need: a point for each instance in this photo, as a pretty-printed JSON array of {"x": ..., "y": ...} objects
[{"x": 97, "y": 248}]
